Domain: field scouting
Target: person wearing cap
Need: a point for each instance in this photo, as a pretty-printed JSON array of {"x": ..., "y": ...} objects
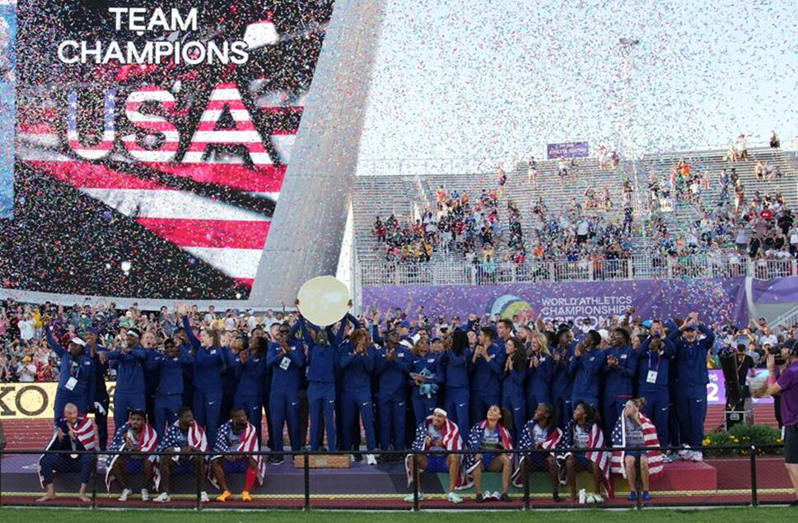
[
  {"x": 392, "y": 368},
  {"x": 653, "y": 366},
  {"x": 488, "y": 368},
  {"x": 618, "y": 373},
  {"x": 130, "y": 389},
  {"x": 784, "y": 384},
  {"x": 585, "y": 368},
  {"x": 426, "y": 377},
  {"x": 692, "y": 379},
  {"x": 437, "y": 433},
  {"x": 76, "y": 377},
  {"x": 455, "y": 363},
  {"x": 168, "y": 368}
]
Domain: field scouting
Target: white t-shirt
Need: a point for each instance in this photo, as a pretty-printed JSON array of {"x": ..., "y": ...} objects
[
  {"x": 27, "y": 373},
  {"x": 583, "y": 228},
  {"x": 772, "y": 340},
  {"x": 27, "y": 329}
]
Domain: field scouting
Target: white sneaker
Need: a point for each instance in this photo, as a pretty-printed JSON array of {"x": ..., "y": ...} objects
[
  {"x": 125, "y": 493},
  {"x": 145, "y": 495},
  {"x": 590, "y": 499},
  {"x": 684, "y": 452},
  {"x": 163, "y": 497},
  {"x": 697, "y": 456},
  {"x": 597, "y": 499},
  {"x": 370, "y": 459},
  {"x": 204, "y": 497}
]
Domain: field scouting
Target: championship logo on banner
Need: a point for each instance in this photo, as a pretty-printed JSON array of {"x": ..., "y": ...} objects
[{"x": 152, "y": 142}]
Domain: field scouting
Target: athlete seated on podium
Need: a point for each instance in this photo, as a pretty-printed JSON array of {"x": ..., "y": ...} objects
[
  {"x": 187, "y": 439},
  {"x": 73, "y": 435},
  {"x": 437, "y": 433},
  {"x": 540, "y": 433},
  {"x": 134, "y": 437},
  {"x": 487, "y": 440},
  {"x": 237, "y": 435}
]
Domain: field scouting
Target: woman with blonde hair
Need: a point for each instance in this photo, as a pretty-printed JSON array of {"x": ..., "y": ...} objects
[
  {"x": 634, "y": 432},
  {"x": 539, "y": 373}
]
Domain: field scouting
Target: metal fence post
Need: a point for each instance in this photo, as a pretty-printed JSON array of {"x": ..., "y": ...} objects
[
  {"x": 415, "y": 481},
  {"x": 526, "y": 487},
  {"x": 754, "y": 497},
  {"x": 306, "y": 466},
  {"x": 638, "y": 483},
  {"x": 94, "y": 480},
  {"x": 198, "y": 467}
]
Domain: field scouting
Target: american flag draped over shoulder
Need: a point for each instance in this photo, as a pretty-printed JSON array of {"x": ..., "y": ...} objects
[
  {"x": 599, "y": 457},
  {"x": 83, "y": 437},
  {"x": 248, "y": 444},
  {"x": 527, "y": 442},
  {"x": 148, "y": 442},
  {"x": 655, "y": 458},
  {"x": 475, "y": 438},
  {"x": 196, "y": 437},
  {"x": 450, "y": 438}
]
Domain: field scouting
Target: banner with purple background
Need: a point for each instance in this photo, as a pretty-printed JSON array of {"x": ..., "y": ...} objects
[{"x": 715, "y": 300}]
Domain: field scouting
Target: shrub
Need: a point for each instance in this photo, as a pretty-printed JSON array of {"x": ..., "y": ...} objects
[{"x": 744, "y": 435}]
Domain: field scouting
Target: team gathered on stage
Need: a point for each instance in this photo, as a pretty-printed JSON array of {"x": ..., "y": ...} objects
[{"x": 194, "y": 402}]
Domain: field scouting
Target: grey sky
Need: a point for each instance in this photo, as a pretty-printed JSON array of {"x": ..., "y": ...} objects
[{"x": 499, "y": 79}]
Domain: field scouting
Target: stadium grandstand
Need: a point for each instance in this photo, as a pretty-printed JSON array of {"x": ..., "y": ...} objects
[{"x": 216, "y": 293}]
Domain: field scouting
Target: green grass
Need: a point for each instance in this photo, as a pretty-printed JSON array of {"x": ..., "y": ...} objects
[{"x": 721, "y": 515}]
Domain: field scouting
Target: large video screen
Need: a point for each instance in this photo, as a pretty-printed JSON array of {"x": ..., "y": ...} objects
[{"x": 152, "y": 140}]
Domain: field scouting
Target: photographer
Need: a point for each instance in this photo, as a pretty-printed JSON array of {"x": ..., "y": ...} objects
[{"x": 786, "y": 386}]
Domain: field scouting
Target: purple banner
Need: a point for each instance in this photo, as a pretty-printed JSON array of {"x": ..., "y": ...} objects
[
  {"x": 567, "y": 150},
  {"x": 778, "y": 291},
  {"x": 716, "y": 300}
]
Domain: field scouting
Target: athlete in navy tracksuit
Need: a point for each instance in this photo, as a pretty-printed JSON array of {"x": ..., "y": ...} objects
[
  {"x": 340, "y": 343},
  {"x": 322, "y": 360},
  {"x": 562, "y": 382},
  {"x": 585, "y": 369},
  {"x": 619, "y": 372},
  {"x": 248, "y": 366},
  {"x": 168, "y": 368},
  {"x": 76, "y": 377},
  {"x": 286, "y": 359},
  {"x": 653, "y": 363},
  {"x": 207, "y": 378},
  {"x": 513, "y": 397},
  {"x": 539, "y": 375},
  {"x": 357, "y": 363},
  {"x": 456, "y": 363},
  {"x": 392, "y": 367},
  {"x": 425, "y": 362},
  {"x": 100, "y": 405},
  {"x": 488, "y": 366},
  {"x": 130, "y": 393},
  {"x": 691, "y": 393}
]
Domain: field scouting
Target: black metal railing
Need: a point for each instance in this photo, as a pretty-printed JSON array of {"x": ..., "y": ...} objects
[{"x": 751, "y": 475}]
